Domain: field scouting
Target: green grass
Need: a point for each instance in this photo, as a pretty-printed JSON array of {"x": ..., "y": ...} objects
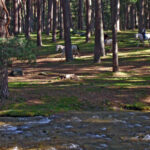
[{"x": 49, "y": 106}]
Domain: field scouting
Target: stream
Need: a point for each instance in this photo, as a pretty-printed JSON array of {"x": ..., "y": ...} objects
[{"x": 104, "y": 130}]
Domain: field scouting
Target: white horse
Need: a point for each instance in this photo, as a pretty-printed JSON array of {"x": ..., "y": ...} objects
[
  {"x": 75, "y": 50},
  {"x": 60, "y": 47},
  {"x": 139, "y": 37},
  {"x": 108, "y": 42}
]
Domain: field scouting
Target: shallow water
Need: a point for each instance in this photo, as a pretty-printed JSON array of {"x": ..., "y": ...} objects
[{"x": 78, "y": 131}]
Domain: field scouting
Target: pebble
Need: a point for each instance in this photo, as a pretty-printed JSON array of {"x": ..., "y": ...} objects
[
  {"x": 103, "y": 129},
  {"x": 95, "y": 117},
  {"x": 41, "y": 121},
  {"x": 104, "y": 145},
  {"x": 96, "y": 135},
  {"x": 68, "y": 127},
  {"x": 147, "y": 137},
  {"x": 76, "y": 119},
  {"x": 145, "y": 117},
  {"x": 72, "y": 146}
]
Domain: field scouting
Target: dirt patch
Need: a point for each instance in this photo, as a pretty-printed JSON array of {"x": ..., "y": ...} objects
[{"x": 34, "y": 102}]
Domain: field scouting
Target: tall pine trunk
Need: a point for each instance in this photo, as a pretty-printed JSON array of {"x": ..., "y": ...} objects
[
  {"x": 147, "y": 14},
  {"x": 127, "y": 11},
  {"x": 80, "y": 14},
  {"x": 50, "y": 2},
  {"x": 70, "y": 15},
  {"x": 93, "y": 18},
  {"x": 35, "y": 15},
  {"x": 132, "y": 12},
  {"x": 118, "y": 14},
  {"x": 66, "y": 17},
  {"x": 88, "y": 20},
  {"x": 15, "y": 2},
  {"x": 99, "y": 49},
  {"x": 55, "y": 19},
  {"x": 19, "y": 17},
  {"x": 39, "y": 23},
  {"x": 141, "y": 15},
  {"x": 43, "y": 15},
  {"x": 60, "y": 20},
  {"x": 23, "y": 16},
  {"x": 114, "y": 8},
  {"x": 28, "y": 17},
  {"x": 4, "y": 93}
]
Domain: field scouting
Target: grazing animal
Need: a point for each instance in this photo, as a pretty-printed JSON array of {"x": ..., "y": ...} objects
[
  {"x": 75, "y": 49},
  {"x": 108, "y": 42},
  {"x": 140, "y": 37},
  {"x": 60, "y": 47}
]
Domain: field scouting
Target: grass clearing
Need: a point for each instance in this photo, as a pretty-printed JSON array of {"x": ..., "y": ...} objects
[{"x": 98, "y": 87}]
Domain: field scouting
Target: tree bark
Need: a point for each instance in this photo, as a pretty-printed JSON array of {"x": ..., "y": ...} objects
[
  {"x": 70, "y": 15},
  {"x": 23, "y": 16},
  {"x": 141, "y": 15},
  {"x": 132, "y": 12},
  {"x": 43, "y": 15},
  {"x": 60, "y": 20},
  {"x": 118, "y": 14},
  {"x": 32, "y": 18},
  {"x": 99, "y": 49},
  {"x": 80, "y": 14},
  {"x": 149, "y": 14},
  {"x": 55, "y": 19},
  {"x": 15, "y": 17},
  {"x": 101, "y": 32},
  {"x": 127, "y": 7},
  {"x": 35, "y": 15},
  {"x": 4, "y": 93},
  {"x": 146, "y": 14},
  {"x": 28, "y": 17},
  {"x": 93, "y": 18},
  {"x": 39, "y": 23},
  {"x": 114, "y": 5},
  {"x": 4, "y": 22},
  {"x": 88, "y": 20},
  {"x": 19, "y": 17},
  {"x": 66, "y": 17},
  {"x": 50, "y": 2}
]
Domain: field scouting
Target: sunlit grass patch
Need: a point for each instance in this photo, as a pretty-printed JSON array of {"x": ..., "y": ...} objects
[
  {"x": 119, "y": 79},
  {"x": 50, "y": 105}
]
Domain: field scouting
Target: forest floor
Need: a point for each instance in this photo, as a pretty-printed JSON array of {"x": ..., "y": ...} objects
[
  {"x": 46, "y": 112},
  {"x": 41, "y": 91}
]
